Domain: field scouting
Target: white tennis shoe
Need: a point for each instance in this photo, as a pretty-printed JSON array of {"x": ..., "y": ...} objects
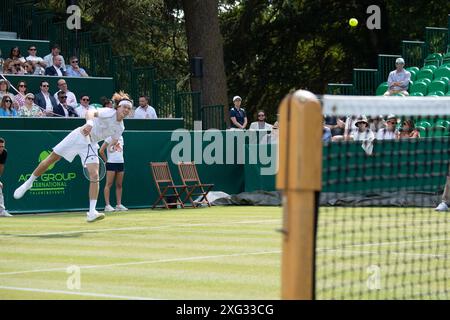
[
  {"x": 441, "y": 207},
  {"x": 121, "y": 207},
  {"x": 5, "y": 213},
  {"x": 95, "y": 216},
  {"x": 109, "y": 208},
  {"x": 20, "y": 191}
]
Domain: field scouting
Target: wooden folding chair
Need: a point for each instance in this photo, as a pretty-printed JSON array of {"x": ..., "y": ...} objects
[
  {"x": 194, "y": 187},
  {"x": 164, "y": 184}
]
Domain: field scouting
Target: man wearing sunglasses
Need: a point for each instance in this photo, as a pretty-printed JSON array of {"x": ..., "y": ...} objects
[
  {"x": 38, "y": 63},
  {"x": 63, "y": 109},
  {"x": 74, "y": 70},
  {"x": 84, "y": 106},
  {"x": 45, "y": 100},
  {"x": 264, "y": 128},
  {"x": 390, "y": 131}
]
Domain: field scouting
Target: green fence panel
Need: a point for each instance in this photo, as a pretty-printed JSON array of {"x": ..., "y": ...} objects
[
  {"x": 213, "y": 117},
  {"x": 122, "y": 71},
  {"x": 7, "y": 16},
  {"x": 79, "y": 44},
  {"x": 414, "y": 52},
  {"x": 143, "y": 79},
  {"x": 365, "y": 81},
  {"x": 386, "y": 63},
  {"x": 187, "y": 105},
  {"x": 92, "y": 86},
  {"x": 101, "y": 60},
  {"x": 6, "y": 45},
  {"x": 23, "y": 19},
  {"x": 340, "y": 89},
  {"x": 164, "y": 96},
  {"x": 64, "y": 188},
  {"x": 42, "y": 24},
  {"x": 436, "y": 40},
  {"x": 59, "y": 34}
]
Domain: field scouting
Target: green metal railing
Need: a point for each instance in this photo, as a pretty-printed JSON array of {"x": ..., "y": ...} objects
[
  {"x": 365, "y": 81},
  {"x": 340, "y": 89},
  {"x": 436, "y": 40},
  {"x": 414, "y": 52},
  {"x": 142, "y": 82},
  {"x": 122, "y": 68},
  {"x": 164, "y": 96},
  {"x": 386, "y": 63},
  {"x": 42, "y": 24},
  {"x": 187, "y": 106},
  {"x": 23, "y": 19},
  {"x": 213, "y": 117},
  {"x": 100, "y": 60}
]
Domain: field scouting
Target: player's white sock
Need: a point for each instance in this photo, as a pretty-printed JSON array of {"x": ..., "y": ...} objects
[
  {"x": 92, "y": 205},
  {"x": 30, "y": 180}
]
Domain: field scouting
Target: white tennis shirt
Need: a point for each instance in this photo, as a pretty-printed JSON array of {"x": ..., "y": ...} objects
[{"x": 106, "y": 125}]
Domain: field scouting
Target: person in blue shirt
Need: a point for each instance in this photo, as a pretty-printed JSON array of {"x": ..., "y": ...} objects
[
  {"x": 6, "y": 107},
  {"x": 74, "y": 70},
  {"x": 238, "y": 116}
]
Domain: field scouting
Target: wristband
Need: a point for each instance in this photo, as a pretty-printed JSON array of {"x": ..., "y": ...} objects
[{"x": 90, "y": 123}]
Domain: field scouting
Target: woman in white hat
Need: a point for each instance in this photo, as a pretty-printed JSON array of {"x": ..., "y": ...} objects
[{"x": 363, "y": 134}]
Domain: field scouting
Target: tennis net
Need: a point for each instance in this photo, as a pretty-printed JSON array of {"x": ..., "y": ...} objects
[{"x": 379, "y": 235}]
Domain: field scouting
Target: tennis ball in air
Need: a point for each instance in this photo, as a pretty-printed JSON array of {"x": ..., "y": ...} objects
[{"x": 353, "y": 22}]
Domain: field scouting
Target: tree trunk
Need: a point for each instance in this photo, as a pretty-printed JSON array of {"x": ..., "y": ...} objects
[{"x": 205, "y": 40}]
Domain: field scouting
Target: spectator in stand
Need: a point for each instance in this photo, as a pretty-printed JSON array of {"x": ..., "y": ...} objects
[
  {"x": 38, "y": 63},
  {"x": 6, "y": 107},
  {"x": 29, "y": 68},
  {"x": 4, "y": 91},
  {"x": 264, "y": 128},
  {"x": 84, "y": 106},
  {"x": 29, "y": 109},
  {"x": 55, "y": 69},
  {"x": 408, "y": 130},
  {"x": 349, "y": 129},
  {"x": 48, "y": 59},
  {"x": 238, "y": 117},
  {"x": 71, "y": 98},
  {"x": 398, "y": 80},
  {"x": 335, "y": 124},
  {"x": 106, "y": 103},
  {"x": 16, "y": 56},
  {"x": 45, "y": 100},
  {"x": 63, "y": 109},
  {"x": 389, "y": 132},
  {"x": 364, "y": 134},
  {"x": 145, "y": 111},
  {"x": 15, "y": 67},
  {"x": 74, "y": 70},
  {"x": 20, "y": 96}
]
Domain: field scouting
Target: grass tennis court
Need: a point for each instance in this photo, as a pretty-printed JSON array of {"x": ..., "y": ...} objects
[{"x": 217, "y": 253}]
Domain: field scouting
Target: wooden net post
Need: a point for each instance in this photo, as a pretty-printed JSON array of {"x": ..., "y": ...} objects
[{"x": 300, "y": 178}]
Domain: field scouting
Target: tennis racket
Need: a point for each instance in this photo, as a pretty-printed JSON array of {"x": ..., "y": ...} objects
[{"x": 92, "y": 158}]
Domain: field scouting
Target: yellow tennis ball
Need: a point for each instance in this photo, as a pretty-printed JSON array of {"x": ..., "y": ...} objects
[{"x": 353, "y": 22}]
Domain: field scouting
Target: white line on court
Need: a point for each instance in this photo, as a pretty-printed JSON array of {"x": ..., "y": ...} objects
[
  {"x": 140, "y": 228},
  {"x": 75, "y": 293},
  {"x": 147, "y": 262}
]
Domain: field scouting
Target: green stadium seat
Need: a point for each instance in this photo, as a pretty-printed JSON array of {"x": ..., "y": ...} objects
[
  {"x": 425, "y": 74},
  {"x": 436, "y": 94},
  {"x": 425, "y": 80},
  {"x": 438, "y": 85},
  {"x": 382, "y": 88},
  {"x": 446, "y": 59},
  {"x": 419, "y": 87},
  {"x": 433, "y": 59},
  {"x": 437, "y": 132},
  {"x": 96, "y": 105},
  {"x": 424, "y": 124},
  {"x": 417, "y": 94},
  {"x": 413, "y": 72},
  {"x": 442, "y": 72},
  {"x": 430, "y": 67},
  {"x": 442, "y": 123},
  {"x": 415, "y": 69}
]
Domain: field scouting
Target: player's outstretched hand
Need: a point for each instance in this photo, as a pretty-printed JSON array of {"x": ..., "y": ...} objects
[{"x": 86, "y": 129}]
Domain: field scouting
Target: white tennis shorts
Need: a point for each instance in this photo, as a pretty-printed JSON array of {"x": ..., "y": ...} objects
[{"x": 75, "y": 143}]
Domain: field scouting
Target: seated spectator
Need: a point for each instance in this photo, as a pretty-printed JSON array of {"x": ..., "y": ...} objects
[
  {"x": 408, "y": 130},
  {"x": 326, "y": 133},
  {"x": 4, "y": 91},
  {"x": 349, "y": 129},
  {"x": 106, "y": 103},
  {"x": 6, "y": 107},
  {"x": 38, "y": 63},
  {"x": 335, "y": 124},
  {"x": 84, "y": 106},
  {"x": 55, "y": 69},
  {"x": 19, "y": 98},
  {"x": 274, "y": 134},
  {"x": 63, "y": 109},
  {"x": 389, "y": 132},
  {"x": 48, "y": 59},
  {"x": 71, "y": 98},
  {"x": 364, "y": 134},
  {"x": 6, "y": 68},
  {"x": 74, "y": 70},
  {"x": 45, "y": 100},
  {"x": 261, "y": 124},
  {"x": 145, "y": 111},
  {"x": 15, "y": 67},
  {"x": 398, "y": 80},
  {"x": 29, "y": 68},
  {"x": 238, "y": 118},
  {"x": 29, "y": 109},
  {"x": 16, "y": 56}
]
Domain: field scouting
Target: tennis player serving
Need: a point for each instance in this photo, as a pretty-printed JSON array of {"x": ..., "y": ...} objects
[{"x": 100, "y": 124}]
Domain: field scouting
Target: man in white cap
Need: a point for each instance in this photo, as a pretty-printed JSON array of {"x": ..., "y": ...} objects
[
  {"x": 398, "y": 80},
  {"x": 238, "y": 118},
  {"x": 390, "y": 131}
]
